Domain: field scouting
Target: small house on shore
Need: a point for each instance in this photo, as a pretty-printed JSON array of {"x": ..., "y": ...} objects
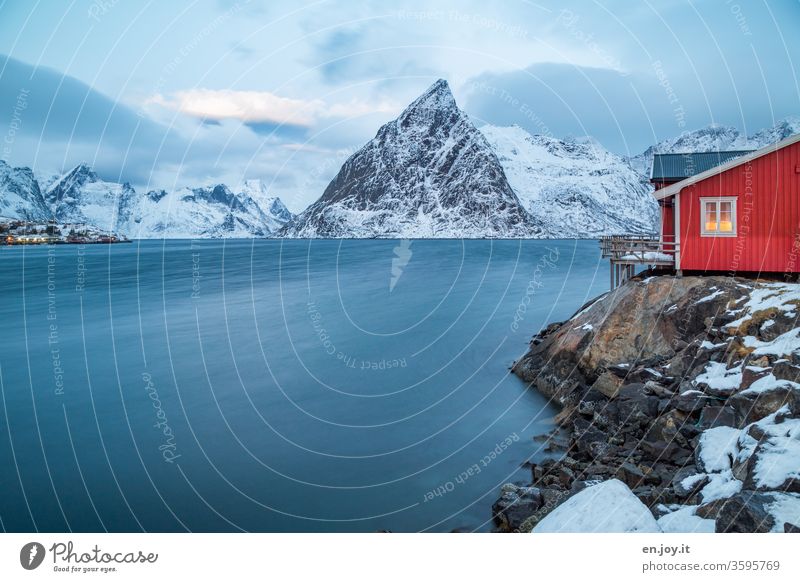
[{"x": 732, "y": 212}]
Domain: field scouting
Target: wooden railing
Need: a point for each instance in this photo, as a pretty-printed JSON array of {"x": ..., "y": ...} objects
[{"x": 649, "y": 250}]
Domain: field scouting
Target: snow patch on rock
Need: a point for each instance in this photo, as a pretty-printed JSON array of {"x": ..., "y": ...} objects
[{"x": 608, "y": 507}]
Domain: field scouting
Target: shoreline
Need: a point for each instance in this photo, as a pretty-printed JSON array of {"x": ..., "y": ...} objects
[{"x": 678, "y": 393}]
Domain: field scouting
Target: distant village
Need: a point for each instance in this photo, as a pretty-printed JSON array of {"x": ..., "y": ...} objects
[{"x": 22, "y": 232}]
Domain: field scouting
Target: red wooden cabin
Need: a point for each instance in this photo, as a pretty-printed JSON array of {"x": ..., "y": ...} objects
[{"x": 732, "y": 212}]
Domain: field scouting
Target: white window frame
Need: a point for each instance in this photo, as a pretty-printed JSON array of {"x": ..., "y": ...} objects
[{"x": 716, "y": 200}]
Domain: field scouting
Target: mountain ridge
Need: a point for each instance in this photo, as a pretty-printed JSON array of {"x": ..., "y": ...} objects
[
  {"x": 429, "y": 173},
  {"x": 81, "y": 196}
]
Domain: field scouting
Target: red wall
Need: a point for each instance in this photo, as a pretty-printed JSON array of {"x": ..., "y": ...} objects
[{"x": 768, "y": 217}]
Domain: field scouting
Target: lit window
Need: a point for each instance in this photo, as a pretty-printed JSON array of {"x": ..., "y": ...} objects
[{"x": 718, "y": 216}]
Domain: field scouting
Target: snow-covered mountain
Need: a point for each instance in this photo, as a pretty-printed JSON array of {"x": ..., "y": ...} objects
[
  {"x": 429, "y": 173},
  {"x": 781, "y": 130},
  {"x": 80, "y": 196},
  {"x": 20, "y": 196},
  {"x": 276, "y": 213},
  {"x": 210, "y": 212},
  {"x": 715, "y": 138},
  {"x": 574, "y": 188}
]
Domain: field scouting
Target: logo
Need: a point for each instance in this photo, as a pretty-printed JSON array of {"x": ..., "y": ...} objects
[
  {"x": 31, "y": 555},
  {"x": 402, "y": 255}
]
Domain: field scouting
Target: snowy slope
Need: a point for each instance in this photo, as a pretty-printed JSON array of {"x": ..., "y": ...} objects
[
  {"x": 607, "y": 507},
  {"x": 574, "y": 188},
  {"x": 210, "y": 212},
  {"x": 273, "y": 207},
  {"x": 80, "y": 196},
  {"x": 784, "y": 128},
  {"x": 429, "y": 174},
  {"x": 20, "y": 196},
  {"x": 715, "y": 138}
]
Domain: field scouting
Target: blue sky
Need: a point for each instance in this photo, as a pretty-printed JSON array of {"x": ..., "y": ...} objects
[{"x": 166, "y": 94}]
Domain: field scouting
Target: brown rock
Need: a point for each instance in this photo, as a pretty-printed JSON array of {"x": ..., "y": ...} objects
[
  {"x": 608, "y": 385},
  {"x": 666, "y": 426},
  {"x": 785, "y": 370},
  {"x": 751, "y": 373},
  {"x": 627, "y": 326},
  {"x": 631, "y": 475},
  {"x": 750, "y": 407}
]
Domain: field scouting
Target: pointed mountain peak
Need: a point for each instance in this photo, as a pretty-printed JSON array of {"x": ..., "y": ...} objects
[
  {"x": 437, "y": 97},
  {"x": 82, "y": 169},
  {"x": 253, "y": 187},
  {"x": 78, "y": 175}
]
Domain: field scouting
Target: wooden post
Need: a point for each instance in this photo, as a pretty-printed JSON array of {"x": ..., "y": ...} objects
[{"x": 611, "y": 275}]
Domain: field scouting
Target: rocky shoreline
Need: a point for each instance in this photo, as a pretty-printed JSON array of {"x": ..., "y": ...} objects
[{"x": 678, "y": 395}]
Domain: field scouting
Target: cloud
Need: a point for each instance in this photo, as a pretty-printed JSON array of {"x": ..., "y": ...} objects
[
  {"x": 64, "y": 121},
  {"x": 263, "y": 108},
  {"x": 625, "y": 112}
]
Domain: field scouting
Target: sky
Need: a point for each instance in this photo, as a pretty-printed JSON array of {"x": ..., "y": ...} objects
[{"x": 170, "y": 94}]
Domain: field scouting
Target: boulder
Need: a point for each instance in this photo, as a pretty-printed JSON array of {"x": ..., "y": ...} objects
[
  {"x": 785, "y": 370},
  {"x": 774, "y": 463},
  {"x": 631, "y": 475},
  {"x": 716, "y": 449},
  {"x": 666, "y": 427},
  {"x": 665, "y": 452},
  {"x": 635, "y": 405},
  {"x": 752, "y": 405},
  {"x": 608, "y": 507},
  {"x": 687, "y": 481},
  {"x": 711, "y": 509},
  {"x": 745, "y": 512},
  {"x": 627, "y": 325},
  {"x": 714, "y": 416},
  {"x": 607, "y": 384},
  {"x": 685, "y": 520},
  {"x": 691, "y": 401},
  {"x": 751, "y": 374},
  {"x": 515, "y": 505}
]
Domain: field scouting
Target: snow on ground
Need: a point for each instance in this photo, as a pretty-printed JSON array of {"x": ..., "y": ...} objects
[
  {"x": 785, "y": 509},
  {"x": 608, "y": 507},
  {"x": 778, "y": 456},
  {"x": 767, "y": 383},
  {"x": 712, "y": 296},
  {"x": 719, "y": 378},
  {"x": 777, "y": 460},
  {"x": 707, "y": 345},
  {"x": 717, "y": 448},
  {"x": 720, "y": 486},
  {"x": 684, "y": 520},
  {"x": 649, "y": 256},
  {"x": 768, "y": 296},
  {"x": 782, "y": 345}
]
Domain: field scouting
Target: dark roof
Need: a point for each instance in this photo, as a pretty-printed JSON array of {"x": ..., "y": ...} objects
[{"x": 675, "y": 167}]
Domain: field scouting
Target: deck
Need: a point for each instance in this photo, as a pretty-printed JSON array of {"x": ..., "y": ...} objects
[{"x": 627, "y": 251}]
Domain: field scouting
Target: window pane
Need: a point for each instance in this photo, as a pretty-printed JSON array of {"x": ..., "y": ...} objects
[
  {"x": 711, "y": 216},
  {"x": 725, "y": 217}
]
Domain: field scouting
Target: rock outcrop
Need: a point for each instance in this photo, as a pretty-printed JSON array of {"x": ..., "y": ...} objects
[{"x": 683, "y": 390}]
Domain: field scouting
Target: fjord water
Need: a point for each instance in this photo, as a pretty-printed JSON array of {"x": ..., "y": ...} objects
[{"x": 274, "y": 385}]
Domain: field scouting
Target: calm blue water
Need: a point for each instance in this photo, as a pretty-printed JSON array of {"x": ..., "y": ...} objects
[{"x": 273, "y": 386}]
